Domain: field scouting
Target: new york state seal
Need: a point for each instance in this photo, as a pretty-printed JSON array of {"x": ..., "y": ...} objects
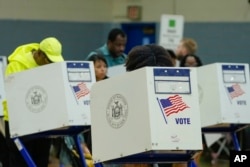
[
  {"x": 36, "y": 99},
  {"x": 117, "y": 111}
]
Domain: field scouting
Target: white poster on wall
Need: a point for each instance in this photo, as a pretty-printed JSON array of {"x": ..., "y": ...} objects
[
  {"x": 3, "y": 63},
  {"x": 171, "y": 31}
]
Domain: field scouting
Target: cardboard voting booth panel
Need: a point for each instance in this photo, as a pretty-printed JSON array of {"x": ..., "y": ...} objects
[
  {"x": 116, "y": 70},
  {"x": 3, "y": 62},
  {"x": 150, "y": 109},
  {"x": 224, "y": 94},
  {"x": 49, "y": 97}
]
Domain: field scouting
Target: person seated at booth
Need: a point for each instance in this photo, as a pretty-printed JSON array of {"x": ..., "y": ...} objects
[
  {"x": 150, "y": 55},
  {"x": 191, "y": 61},
  {"x": 25, "y": 57},
  {"x": 113, "y": 49},
  {"x": 67, "y": 153},
  {"x": 147, "y": 55},
  {"x": 100, "y": 65}
]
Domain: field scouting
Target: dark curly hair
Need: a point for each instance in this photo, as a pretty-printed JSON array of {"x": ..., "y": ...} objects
[
  {"x": 184, "y": 59},
  {"x": 96, "y": 57},
  {"x": 114, "y": 33},
  {"x": 147, "y": 55}
]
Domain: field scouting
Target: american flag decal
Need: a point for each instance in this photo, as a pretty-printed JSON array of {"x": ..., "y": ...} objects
[
  {"x": 235, "y": 91},
  {"x": 173, "y": 104},
  {"x": 80, "y": 90}
]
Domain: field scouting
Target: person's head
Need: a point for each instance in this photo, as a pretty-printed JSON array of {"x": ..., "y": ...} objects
[
  {"x": 50, "y": 51},
  {"x": 172, "y": 55},
  {"x": 100, "y": 65},
  {"x": 185, "y": 47},
  {"x": 191, "y": 61},
  {"x": 116, "y": 43},
  {"x": 147, "y": 55}
]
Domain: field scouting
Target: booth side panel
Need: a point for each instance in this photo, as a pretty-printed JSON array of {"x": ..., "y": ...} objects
[
  {"x": 79, "y": 78},
  {"x": 36, "y": 100},
  {"x": 174, "y": 109},
  {"x": 209, "y": 95},
  {"x": 119, "y": 116}
]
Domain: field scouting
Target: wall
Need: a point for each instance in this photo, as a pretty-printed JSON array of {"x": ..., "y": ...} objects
[
  {"x": 193, "y": 10},
  {"x": 115, "y": 10},
  {"x": 57, "y": 10},
  {"x": 78, "y": 38},
  {"x": 221, "y": 42},
  {"x": 221, "y": 28}
]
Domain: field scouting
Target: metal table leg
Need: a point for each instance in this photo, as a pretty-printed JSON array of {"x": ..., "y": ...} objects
[
  {"x": 80, "y": 151},
  {"x": 24, "y": 153}
]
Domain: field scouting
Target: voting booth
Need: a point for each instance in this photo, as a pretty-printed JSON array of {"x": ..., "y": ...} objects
[
  {"x": 116, "y": 70},
  {"x": 49, "y": 97},
  {"x": 152, "y": 109},
  {"x": 224, "y": 94},
  {"x": 3, "y": 63}
]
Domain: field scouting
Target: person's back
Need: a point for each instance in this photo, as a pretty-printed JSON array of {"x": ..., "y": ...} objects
[
  {"x": 173, "y": 56},
  {"x": 147, "y": 55},
  {"x": 113, "y": 50},
  {"x": 151, "y": 55}
]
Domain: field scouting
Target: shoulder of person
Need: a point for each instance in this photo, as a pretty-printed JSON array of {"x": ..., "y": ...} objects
[
  {"x": 90, "y": 54},
  {"x": 124, "y": 55},
  {"x": 99, "y": 51}
]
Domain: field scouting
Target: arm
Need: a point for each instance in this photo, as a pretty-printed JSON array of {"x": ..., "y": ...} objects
[{"x": 14, "y": 67}]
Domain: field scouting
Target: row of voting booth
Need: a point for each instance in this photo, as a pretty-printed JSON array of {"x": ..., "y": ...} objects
[{"x": 149, "y": 111}]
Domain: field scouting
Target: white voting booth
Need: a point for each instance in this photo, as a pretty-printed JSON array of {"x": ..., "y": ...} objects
[
  {"x": 224, "y": 102},
  {"x": 224, "y": 94},
  {"x": 116, "y": 70},
  {"x": 3, "y": 63},
  {"x": 49, "y": 97},
  {"x": 149, "y": 109}
]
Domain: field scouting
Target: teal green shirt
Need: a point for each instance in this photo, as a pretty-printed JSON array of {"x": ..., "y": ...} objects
[{"x": 112, "y": 61}]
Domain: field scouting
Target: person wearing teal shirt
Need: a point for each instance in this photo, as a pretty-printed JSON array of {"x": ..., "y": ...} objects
[{"x": 113, "y": 50}]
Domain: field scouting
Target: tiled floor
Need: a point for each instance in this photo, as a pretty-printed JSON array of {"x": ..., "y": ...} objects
[
  {"x": 205, "y": 162},
  {"x": 218, "y": 163}
]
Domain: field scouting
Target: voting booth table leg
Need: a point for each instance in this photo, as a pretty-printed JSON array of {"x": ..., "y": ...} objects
[
  {"x": 24, "y": 153},
  {"x": 73, "y": 131},
  {"x": 157, "y": 158},
  {"x": 79, "y": 149},
  {"x": 232, "y": 129},
  {"x": 191, "y": 164},
  {"x": 235, "y": 141}
]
